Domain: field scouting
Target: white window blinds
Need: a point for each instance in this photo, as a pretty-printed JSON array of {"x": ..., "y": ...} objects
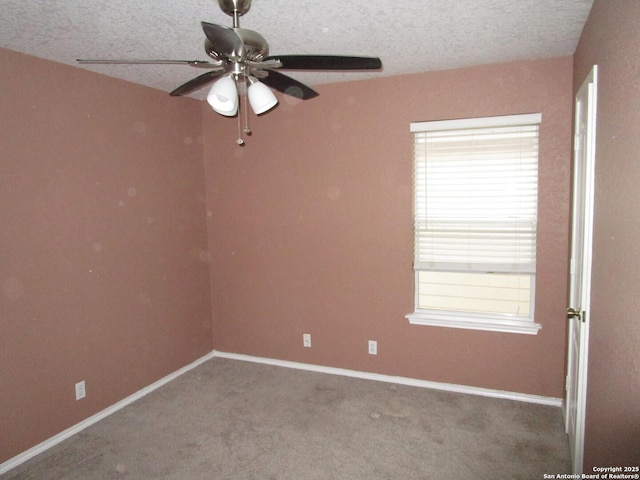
[{"x": 476, "y": 194}]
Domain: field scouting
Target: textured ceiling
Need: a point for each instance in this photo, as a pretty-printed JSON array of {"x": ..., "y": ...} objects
[{"x": 409, "y": 36}]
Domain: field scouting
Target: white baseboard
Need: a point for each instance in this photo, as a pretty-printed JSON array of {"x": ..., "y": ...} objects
[
  {"x": 50, "y": 442},
  {"x": 448, "y": 387}
]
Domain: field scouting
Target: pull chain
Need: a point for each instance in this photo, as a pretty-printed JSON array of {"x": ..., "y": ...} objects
[
  {"x": 243, "y": 124},
  {"x": 240, "y": 140},
  {"x": 245, "y": 107}
]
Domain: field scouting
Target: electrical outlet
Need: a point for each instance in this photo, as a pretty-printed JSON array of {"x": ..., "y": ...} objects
[
  {"x": 306, "y": 340},
  {"x": 81, "y": 390},
  {"x": 373, "y": 347}
]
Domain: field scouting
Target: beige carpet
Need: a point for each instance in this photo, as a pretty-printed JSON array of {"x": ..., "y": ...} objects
[{"x": 229, "y": 419}]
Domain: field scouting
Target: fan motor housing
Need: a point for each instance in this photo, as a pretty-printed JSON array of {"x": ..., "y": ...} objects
[{"x": 255, "y": 45}]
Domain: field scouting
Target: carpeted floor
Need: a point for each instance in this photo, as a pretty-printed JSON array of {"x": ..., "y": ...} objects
[{"x": 229, "y": 419}]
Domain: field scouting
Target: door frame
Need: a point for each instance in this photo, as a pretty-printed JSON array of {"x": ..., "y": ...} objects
[{"x": 585, "y": 104}]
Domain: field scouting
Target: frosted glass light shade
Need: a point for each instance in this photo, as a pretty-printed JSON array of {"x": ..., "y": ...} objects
[
  {"x": 223, "y": 97},
  {"x": 261, "y": 98}
]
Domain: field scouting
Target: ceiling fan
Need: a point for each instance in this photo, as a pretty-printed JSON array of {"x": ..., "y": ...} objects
[{"x": 243, "y": 70}]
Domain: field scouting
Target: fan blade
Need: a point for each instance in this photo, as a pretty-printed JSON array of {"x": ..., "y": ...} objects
[
  {"x": 288, "y": 85},
  {"x": 191, "y": 63},
  {"x": 196, "y": 83},
  {"x": 224, "y": 40},
  {"x": 326, "y": 62}
]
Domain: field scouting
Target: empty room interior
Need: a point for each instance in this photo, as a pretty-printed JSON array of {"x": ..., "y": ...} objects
[{"x": 140, "y": 240}]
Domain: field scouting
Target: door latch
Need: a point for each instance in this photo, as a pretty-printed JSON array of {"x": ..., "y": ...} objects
[{"x": 573, "y": 313}]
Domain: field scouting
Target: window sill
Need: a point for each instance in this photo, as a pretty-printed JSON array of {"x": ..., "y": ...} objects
[{"x": 470, "y": 322}]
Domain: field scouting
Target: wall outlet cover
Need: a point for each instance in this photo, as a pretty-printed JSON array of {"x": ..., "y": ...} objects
[{"x": 81, "y": 390}]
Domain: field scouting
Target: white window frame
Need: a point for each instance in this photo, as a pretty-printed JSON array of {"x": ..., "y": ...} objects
[{"x": 496, "y": 322}]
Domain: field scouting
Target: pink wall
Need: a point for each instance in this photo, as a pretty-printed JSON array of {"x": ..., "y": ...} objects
[
  {"x": 102, "y": 243},
  {"x": 310, "y": 228},
  {"x": 105, "y": 264},
  {"x": 610, "y": 39}
]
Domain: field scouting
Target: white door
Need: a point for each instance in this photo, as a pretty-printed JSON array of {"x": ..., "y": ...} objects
[{"x": 580, "y": 268}]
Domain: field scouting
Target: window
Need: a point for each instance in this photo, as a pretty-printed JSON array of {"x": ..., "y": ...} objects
[{"x": 475, "y": 217}]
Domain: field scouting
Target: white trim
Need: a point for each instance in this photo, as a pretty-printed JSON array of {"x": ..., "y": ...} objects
[
  {"x": 413, "y": 382},
  {"x": 479, "y": 322},
  {"x": 481, "y": 122},
  {"x": 69, "y": 432},
  {"x": 585, "y": 103}
]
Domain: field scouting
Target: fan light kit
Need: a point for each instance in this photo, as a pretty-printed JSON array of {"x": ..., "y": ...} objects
[{"x": 243, "y": 71}]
